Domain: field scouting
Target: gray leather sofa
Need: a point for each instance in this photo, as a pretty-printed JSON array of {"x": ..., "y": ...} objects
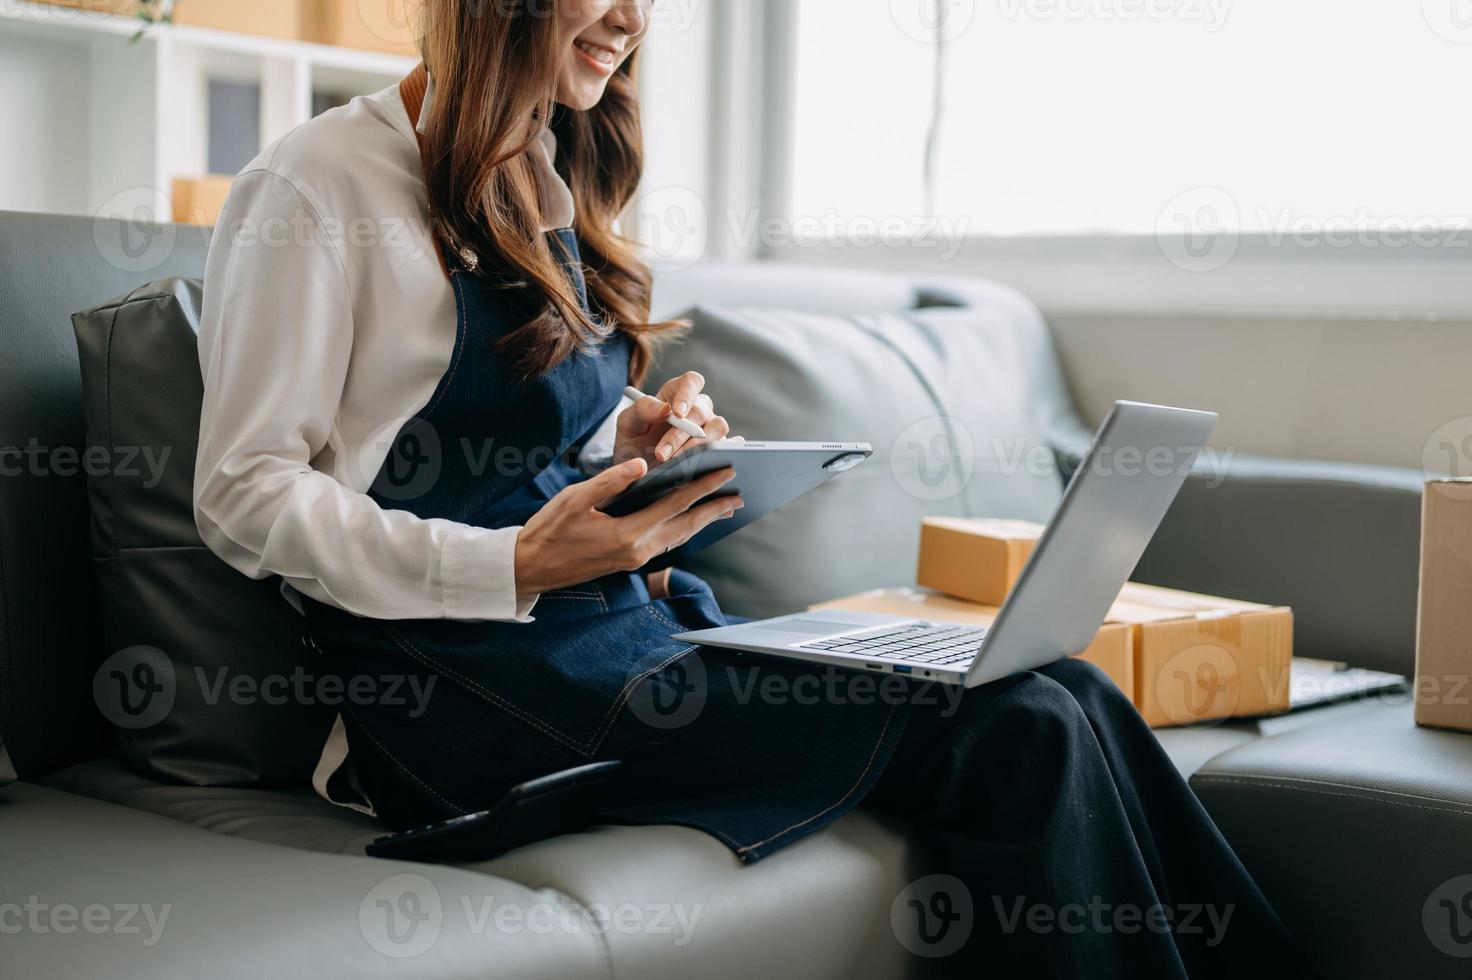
[{"x": 1351, "y": 817}]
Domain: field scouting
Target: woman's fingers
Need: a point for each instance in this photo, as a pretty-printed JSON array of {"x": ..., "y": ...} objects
[
  {"x": 677, "y": 502},
  {"x": 717, "y": 429},
  {"x": 681, "y": 393},
  {"x": 674, "y": 533},
  {"x": 642, "y": 417},
  {"x": 675, "y": 441},
  {"x": 596, "y": 492}
]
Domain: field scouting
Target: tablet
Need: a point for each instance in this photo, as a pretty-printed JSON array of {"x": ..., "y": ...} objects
[{"x": 769, "y": 475}]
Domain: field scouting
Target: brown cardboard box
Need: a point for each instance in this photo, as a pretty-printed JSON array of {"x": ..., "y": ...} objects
[
  {"x": 272, "y": 18},
  {"x": 1112, "y": 650},
  {"x": 374, "y": 25},
  {"x": 974, "y": 559},
  {"x": 1444, "y": 623},
  {"x": 120, "y": 8},
  {"x": 198, "y": 200},
  {"x": 1200, "y": 658}
]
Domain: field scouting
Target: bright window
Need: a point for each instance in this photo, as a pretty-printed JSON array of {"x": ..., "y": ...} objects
[{"x": 1108, "y": 116}]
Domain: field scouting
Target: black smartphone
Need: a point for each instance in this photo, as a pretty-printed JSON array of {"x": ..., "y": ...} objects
[{"x": 537, "y": 810}]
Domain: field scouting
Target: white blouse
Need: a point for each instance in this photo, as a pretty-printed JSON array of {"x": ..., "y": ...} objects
[{"x": 327, "y": 324}]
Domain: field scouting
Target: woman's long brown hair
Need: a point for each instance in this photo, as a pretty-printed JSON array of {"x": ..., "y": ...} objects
[{"x": 495, "y": 64}]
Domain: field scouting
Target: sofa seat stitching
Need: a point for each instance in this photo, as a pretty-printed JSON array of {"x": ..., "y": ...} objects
[{"x": 1322, "y": 788}]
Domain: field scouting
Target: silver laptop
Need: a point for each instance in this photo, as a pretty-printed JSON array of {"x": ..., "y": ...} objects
[{"x": 1110, "y": 511}]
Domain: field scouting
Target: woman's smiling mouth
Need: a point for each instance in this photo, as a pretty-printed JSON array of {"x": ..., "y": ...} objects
[{"x": 600, "y": 59}]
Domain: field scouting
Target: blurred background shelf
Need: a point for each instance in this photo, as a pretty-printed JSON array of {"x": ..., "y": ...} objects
[{"x": 109, "y": 123}]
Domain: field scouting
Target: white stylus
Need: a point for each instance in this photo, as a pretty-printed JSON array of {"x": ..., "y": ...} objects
[{"x": 684, "y": 425}]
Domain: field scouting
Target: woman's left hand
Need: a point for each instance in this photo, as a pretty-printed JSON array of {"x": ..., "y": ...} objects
[{"x": 644, "y": 429}]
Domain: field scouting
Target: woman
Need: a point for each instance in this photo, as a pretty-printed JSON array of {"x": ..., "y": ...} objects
[{"x": 418, "y": 321}]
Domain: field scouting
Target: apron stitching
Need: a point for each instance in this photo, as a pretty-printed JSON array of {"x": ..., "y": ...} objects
[
  {"x": 505, "y": 705},
  {"x": 623, "y": 697},
  {"x": 857, "y": 783},
  {"x": 654, "y": 611},
  {"x": 405, "y": 769}
]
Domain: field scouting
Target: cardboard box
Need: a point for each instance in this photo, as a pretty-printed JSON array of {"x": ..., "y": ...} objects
[
  {"x": 272, "y": 18},
  {"x": 974, "y": 559},
  {"x": 120, "y": 8},
  {"x": 1201, "y": 658},
  {"x": 1444, "y": 620},
  {"x": 1112, "y": 650},
  {"x": 390, "y": 26},
  {"x": 199, "y": 200}
]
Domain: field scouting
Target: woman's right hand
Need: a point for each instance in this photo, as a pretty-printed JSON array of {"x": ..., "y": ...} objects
[{"x": 570, "y": 541}]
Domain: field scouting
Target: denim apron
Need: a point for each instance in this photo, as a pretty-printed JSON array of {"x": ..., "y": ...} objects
[{"x": 749, "y": 750}]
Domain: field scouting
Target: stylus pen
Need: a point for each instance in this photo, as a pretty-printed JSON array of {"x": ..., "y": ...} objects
[{"x": 684, "y": 425}]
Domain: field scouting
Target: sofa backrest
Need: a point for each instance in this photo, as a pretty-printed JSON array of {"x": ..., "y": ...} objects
[{"x": 50, "y": 267}]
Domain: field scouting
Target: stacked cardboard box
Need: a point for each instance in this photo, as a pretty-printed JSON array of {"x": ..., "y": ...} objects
[
  {"x": 373, "y": 25},
  {"x": 272, "y": 18}
]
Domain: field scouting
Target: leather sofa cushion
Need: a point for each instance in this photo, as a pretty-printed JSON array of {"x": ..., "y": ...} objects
[
  {"x": 199, "y": 683},
  {"x": 819, "y": 909},
  {"x": 962, "y": 405}
]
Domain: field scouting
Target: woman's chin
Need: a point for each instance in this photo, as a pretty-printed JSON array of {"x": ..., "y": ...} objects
[{"x": 581, "y": 95}]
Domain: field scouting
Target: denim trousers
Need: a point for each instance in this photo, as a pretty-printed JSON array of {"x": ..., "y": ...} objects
[{"x": 1071, "y": 844}]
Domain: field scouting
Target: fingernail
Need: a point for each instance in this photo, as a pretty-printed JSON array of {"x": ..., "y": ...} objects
[
  {"x": 664, "y": 452},
  {"x": 681, "y": 408},
  {"x": 739, "y": 504}
]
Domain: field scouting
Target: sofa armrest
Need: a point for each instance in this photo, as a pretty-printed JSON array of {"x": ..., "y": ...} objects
[
  {"x": 1339, "y": 543},
  {"x": 1360, "y": 833}
]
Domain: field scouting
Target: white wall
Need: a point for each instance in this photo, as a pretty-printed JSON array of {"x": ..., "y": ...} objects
[{"x": 46, "y": 170}]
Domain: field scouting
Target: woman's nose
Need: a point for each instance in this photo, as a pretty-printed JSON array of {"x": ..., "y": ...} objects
[{"x": 630, "y": 17}]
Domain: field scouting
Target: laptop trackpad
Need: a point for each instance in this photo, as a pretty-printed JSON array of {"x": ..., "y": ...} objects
[{"x": 808, "y": 627}]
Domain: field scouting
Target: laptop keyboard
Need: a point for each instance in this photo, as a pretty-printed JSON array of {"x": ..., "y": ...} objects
[{"x": 941, "y": 644}]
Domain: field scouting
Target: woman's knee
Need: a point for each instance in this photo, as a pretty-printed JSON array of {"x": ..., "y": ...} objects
[
  {"x": 1041, "y": 712},
  {"x": 1090, "y": 687}
]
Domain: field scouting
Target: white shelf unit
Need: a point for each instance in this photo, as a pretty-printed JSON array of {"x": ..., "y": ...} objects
[{"x": 95, "y": 123}]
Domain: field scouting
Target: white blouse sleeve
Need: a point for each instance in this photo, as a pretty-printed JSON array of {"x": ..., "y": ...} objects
[{"x": 276, "y": 335}]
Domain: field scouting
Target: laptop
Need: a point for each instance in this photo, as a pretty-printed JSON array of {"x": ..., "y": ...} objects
[{"x": 1111, "y": 509}]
